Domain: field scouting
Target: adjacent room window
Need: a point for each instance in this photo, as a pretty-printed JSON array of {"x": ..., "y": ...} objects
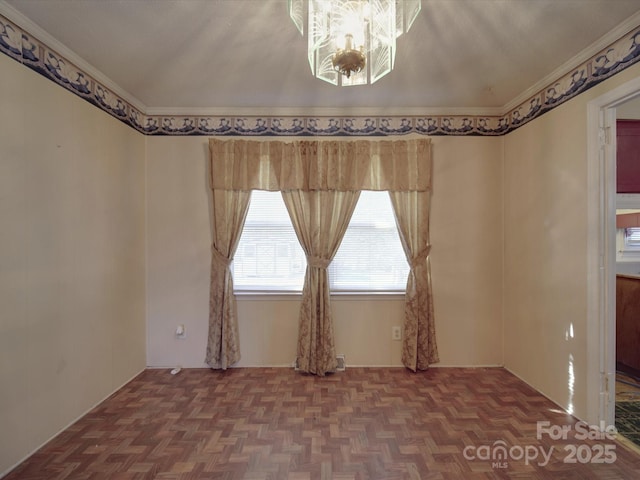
[
  {"x": 632, "y": 238},
  {"x": 627, "y": 246},
  {"x": 370, "y": 257}
]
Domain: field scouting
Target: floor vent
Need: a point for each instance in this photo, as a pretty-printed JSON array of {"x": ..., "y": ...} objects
[{"x": 342, "y": 366}]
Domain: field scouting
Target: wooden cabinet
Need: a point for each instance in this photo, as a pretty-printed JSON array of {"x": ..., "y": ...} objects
[
  {"x": 628, "y": 324},
  {"x": 628, "y": 156}
]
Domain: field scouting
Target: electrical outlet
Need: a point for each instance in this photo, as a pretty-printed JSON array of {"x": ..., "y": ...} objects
[
  {"x": 181, "y": 332},
  {"x": 396, "y": 333}
]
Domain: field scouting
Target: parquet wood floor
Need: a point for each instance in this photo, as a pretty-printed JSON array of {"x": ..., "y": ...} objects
[{"x": 364, "y": 423}]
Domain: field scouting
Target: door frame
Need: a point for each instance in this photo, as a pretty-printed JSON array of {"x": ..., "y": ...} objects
[{"x": 601, "y": 251}]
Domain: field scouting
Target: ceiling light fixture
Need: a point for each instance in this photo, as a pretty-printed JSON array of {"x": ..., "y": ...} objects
[{"x": 353, "y": 42}]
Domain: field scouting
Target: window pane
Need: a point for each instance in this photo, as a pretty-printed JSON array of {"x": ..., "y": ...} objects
[
  {"x": 269, "y": 256},
  {"x": 370, "y": 257}
]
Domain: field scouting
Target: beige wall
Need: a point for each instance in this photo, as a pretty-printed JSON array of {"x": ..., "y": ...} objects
[
  {"x": 72, "y": 286},
  {"x": 466, "y": 261},
  {"x": 545, "y": 276}
]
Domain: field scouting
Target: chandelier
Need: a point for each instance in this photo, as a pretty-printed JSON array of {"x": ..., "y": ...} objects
[{"x": 352, "y": 42}]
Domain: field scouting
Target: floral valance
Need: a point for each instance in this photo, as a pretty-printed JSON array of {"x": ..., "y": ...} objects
[{"x": 342, "y": 165}]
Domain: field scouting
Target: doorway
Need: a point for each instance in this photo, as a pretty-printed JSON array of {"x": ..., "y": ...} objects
[
  {"x": 601, "y": 267},
  {"x": 627, "y": 386}
]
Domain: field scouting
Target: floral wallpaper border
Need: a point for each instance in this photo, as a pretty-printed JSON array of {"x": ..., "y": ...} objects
[{"x": 26, "y": 49}]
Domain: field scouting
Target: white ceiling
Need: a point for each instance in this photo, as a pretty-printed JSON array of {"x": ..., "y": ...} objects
[{"x": 190, "y": 55}]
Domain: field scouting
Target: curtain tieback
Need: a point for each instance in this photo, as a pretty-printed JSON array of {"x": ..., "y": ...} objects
[
  {"x": 317, "y": 262},
  {"x": 220, "y": 258},
  {"x": 421, "y": 257}
]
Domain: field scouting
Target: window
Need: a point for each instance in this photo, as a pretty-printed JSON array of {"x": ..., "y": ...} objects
[
  {"x": 628, "y": 244},
  {"x": 370, "y": 257},
  {"x": 632, "y": 238},
  {"x": 628, "y": 228}
]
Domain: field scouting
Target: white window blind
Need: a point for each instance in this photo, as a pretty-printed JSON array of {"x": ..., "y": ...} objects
[
  {"x": 370, "y": 257},
  {"x": 632, "y": 237}
]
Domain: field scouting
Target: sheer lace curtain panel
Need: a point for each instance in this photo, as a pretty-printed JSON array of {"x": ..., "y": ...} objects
[{"x": 320, "y": 181}]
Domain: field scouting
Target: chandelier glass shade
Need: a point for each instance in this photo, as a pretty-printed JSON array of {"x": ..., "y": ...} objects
[{"x": 352, "y": 42}]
